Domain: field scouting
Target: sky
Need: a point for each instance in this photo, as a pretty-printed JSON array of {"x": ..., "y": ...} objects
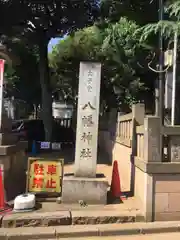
[{"x": 52, "y": 43}]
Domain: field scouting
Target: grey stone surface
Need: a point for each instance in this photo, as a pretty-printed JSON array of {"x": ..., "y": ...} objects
[
  {"x": 6, "y": 122},
  {"x": 2, "y": 234},
  {"x": 156, "y": 168},
  {"x": 101, "y": 217},
  {"x": 152, "y": 139},
  {"x": 83, "y": 216},
  {"x": 29, "y": 233},
  {"x": 117, "y": 229},
  {"x": 7, "y": 139},
  {"x": 175, "y": 148},
  {"x": 138, "y": 228},
  {"x": 77, "y": 231},
  {"x": 89, "y": 231},
  {"x": 90, "y": 190},
  {"x": 36, "y": 219},
  {"x": 87, "y": 120}
]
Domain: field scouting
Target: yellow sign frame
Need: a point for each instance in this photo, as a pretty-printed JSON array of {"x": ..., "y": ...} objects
[{"x": 47, "y": 181}]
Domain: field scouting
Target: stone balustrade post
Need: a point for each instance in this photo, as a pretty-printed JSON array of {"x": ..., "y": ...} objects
[
  {"x": 152, "y": 135},
  {"x": 138, "y": 113}
]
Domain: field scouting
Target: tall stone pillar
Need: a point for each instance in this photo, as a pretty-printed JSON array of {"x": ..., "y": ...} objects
[
  {"x": 87, "y": 120},
  {"x": 84, "y": 185}
]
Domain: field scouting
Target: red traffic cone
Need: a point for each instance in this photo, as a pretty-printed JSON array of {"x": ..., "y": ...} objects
[
  {"x": 115, "y": 183},
  {"x": 3, "y": 206}
]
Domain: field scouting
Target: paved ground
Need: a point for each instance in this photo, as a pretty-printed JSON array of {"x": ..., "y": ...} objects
[
  {"x": 128, "y": 205},
  {"x": 142, "y": 231},
  {"x": 164, "y": 236},
  {"x": 104, "y": 164},
  {"x": 104, "y": 167}
]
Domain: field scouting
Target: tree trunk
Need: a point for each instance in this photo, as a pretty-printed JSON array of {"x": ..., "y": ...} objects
[{"x": 45, "y": 90}]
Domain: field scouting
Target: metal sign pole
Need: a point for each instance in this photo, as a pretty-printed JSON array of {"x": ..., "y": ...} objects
[{"x": 174, "y": 80}]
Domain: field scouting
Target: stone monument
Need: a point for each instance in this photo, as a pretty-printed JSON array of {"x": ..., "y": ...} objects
[
  {"x": 87, "y": 120},
  {"x": 84, "y": 185},
  {"x": 12, "y": 160}
]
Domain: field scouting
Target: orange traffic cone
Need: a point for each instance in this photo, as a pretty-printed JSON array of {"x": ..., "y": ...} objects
[
  {"x": 115, "y": 189},
  {"x": 115, "y": 182},
  {"x": 3, "y": 206}
]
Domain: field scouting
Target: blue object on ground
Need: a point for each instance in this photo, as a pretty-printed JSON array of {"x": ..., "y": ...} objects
[{"x": 34, "y": 150}]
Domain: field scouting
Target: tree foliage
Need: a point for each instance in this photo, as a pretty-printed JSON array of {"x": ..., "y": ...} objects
[
  {"x": 36, "y": 22},
  {"x": 168, "y": 27},
  {"x": 120, "y": 54},
  {"x": 66, "y": 56},
  {"x": 125, "y": 75},
  {"x": 23, "y": 78},
  {"x": 141, "y": 11}
]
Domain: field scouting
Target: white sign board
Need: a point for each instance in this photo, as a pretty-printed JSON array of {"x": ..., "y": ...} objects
[
  {"x": 87, "y": 120},
  {"x": 56, "y": 146},
  {"x": 45, "y": 145}
]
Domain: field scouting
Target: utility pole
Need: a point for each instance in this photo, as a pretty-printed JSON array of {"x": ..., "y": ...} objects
[
  {"x": 161, "y": 64},
  {"x": 161, "y": 81},
  {"x": 174, "y": 80}
]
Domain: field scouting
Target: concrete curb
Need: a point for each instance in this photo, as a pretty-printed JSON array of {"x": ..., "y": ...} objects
[
  {"x": 59, "y": 218},
  {"x": 88, "y": 230}
]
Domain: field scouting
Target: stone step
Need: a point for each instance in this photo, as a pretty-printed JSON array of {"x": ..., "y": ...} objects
[
  {"x": 58, "y": 218},
  {"x": 79, "y": 231}
]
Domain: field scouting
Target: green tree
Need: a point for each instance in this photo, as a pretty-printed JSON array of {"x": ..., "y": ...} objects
[
  {"x": 43, "y": 20},
  {"x": 83, "y": 45},
  {"x": 123, "y": 80},
  {"x": 23, "y": 78},
  {"x": 140, "y": 11},
  {"x": 168, "y": 27}
]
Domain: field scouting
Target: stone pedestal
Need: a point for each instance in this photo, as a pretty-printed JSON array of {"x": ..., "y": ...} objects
[
  {"x": 12, "y": 160},
  {"x": 90, "y": 190}
]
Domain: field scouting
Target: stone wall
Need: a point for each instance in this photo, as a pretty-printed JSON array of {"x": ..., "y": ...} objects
[
  {"x": 14, "y": 164},
  {"x": 122, "y": 154},
  {"x": 119, "y": 143},
  {"x": 148, "y": 156},
  {"x": 167, "y": 196},
  {"x": 124, "y": 147},
  {"x": 158, "y": 187},
  {"x": 140, "y": 188}
]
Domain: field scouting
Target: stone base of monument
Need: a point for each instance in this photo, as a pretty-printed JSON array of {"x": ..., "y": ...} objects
[
  {"x": 7, "y": 139},
  {"x": 89, "y": 190},
  {"x": 13, "y": 163}
]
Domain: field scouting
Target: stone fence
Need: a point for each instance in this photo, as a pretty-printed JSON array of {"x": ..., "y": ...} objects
[{"x": 148, "y": 156}]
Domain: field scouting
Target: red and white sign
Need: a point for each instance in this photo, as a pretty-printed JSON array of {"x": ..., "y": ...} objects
[{"x": 2, "y": 62}]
